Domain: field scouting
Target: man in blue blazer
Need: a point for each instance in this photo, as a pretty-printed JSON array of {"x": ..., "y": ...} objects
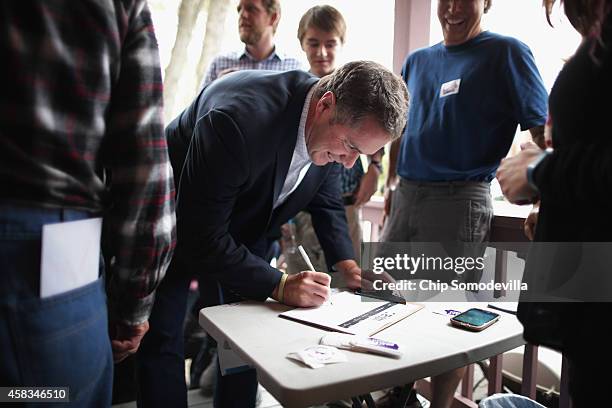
[{"x": 253, "y": 149}]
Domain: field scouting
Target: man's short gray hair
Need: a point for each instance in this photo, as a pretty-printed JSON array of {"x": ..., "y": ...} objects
[{"x": 367, "y": 89}]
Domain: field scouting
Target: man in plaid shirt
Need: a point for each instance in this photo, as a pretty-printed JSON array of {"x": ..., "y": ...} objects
[
  {"x": 81, "y": 136},
  {"x": 257, "y": 22}
]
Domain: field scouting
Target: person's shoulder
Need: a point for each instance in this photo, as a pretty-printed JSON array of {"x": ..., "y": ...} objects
[
  {"x": 422, "y": 54},
  {"x": 291, "y": 79},
  {"x": 256, "y": 80},
  {"x": 288, "y": 61},
  {"x": 296, "y": 74},
  {"x": 227, "y": 56},
  {"x": 299, "y": 74},
  {"x": 425, "y": 52},
  {"x": 294, "y": 63},
  {"x": 504, "y": 42},
  {"x": 290, "y": 58}
]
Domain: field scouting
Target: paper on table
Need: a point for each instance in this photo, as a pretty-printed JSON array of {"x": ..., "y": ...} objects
[
  {"x": 318, "y": 356},
  {"x": 70, "y": 255},
  {"x": 350, "y": 314}
]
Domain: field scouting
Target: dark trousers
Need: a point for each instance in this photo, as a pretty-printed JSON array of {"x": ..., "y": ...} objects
[
  {"x": 161, "y": 358},
  {"x": 236, "y": 390}
]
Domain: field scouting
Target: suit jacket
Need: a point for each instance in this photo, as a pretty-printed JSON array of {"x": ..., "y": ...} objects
[{"x": 234, "y": 145}]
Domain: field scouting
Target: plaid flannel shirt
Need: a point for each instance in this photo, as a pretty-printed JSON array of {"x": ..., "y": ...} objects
[
  {"x": 243, "y": 60},
  {"x": 81, "y": 127}
]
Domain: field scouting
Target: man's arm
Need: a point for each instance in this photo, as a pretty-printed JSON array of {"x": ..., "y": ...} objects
[
  {"x": 140, "y": 226},
  {"x": 392, "y": 179},
  {"x": 356, "y": 278},
  {"x": 537, "y": 135},
  {"x": 529, "y": 226},
  {"x": 512, "y": 175},
  {"x": 577, "y": 173},
  {"x": 526, "y": 90}
]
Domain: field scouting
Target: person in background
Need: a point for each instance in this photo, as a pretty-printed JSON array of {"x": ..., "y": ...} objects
[
  {"x": 322, "y": 32},
  {"x": 81, "y": 136},
  {"x": 468, "y": 94},
  {"x": 257, "y": 22},
  {"x": 573, "y": 183},
  {"x": 242, "y": 179}
]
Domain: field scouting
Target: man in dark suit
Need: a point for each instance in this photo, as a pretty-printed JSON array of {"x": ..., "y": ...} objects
[{"x": 252, "y": 150}]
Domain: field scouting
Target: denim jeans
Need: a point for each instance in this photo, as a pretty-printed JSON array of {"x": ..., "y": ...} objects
[{"x": 58, "y": 341}]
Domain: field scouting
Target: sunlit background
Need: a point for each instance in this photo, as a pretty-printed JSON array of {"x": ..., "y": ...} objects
[
  {"x": 370, "y": 32},
  {"x": 369, "y": 36}
]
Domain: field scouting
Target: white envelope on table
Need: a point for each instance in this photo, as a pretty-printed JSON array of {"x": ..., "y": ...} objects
[{"x": 70, "y": 255}]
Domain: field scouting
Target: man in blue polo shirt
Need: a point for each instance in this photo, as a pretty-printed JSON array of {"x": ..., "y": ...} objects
[{"x": 468, "y": 94}]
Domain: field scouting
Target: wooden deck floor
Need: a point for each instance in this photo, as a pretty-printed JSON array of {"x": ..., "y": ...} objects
[{"x": 195, "y": 399}]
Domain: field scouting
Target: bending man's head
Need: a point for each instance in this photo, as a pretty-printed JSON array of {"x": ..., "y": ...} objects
[{"x": 355, "y": 110}]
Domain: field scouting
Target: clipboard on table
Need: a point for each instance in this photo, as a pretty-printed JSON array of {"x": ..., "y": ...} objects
[{"x": 349, "y": 313}]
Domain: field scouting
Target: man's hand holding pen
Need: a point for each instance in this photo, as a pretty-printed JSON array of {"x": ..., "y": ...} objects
[
  {"x": 304, "y": 289},
  {"x": 311, "y": 288}
]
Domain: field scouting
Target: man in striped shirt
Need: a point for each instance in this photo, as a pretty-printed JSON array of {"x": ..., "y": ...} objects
[{"x": 257, "y": 22}]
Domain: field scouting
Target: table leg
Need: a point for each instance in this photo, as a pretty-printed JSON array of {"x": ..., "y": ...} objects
[
  {"x": 530, "y": 366},
  {"x": 467, "y": 383},
  {"x": 495, "y": 374},
  {"x": 564, "y": 397}
]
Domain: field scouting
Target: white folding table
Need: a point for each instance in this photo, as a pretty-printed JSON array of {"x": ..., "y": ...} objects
[{"x": 431, "y": 346}]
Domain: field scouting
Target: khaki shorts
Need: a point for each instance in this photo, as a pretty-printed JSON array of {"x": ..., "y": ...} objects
[{"x": 439, "y": 211}]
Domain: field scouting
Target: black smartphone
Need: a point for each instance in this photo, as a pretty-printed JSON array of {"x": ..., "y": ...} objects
[{"x": 475, "y": 319}]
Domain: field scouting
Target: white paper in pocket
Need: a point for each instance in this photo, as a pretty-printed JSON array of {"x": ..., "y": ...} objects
[{"x": 70, "y": 255}]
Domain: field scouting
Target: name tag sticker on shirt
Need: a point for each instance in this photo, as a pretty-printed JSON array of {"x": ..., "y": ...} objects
[{"x": 450, "y": 88}]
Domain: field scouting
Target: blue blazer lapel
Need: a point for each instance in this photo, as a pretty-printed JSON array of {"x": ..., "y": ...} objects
[
  {"x": 303, "y": 194},
  {"x": 283, "y": 160}
]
